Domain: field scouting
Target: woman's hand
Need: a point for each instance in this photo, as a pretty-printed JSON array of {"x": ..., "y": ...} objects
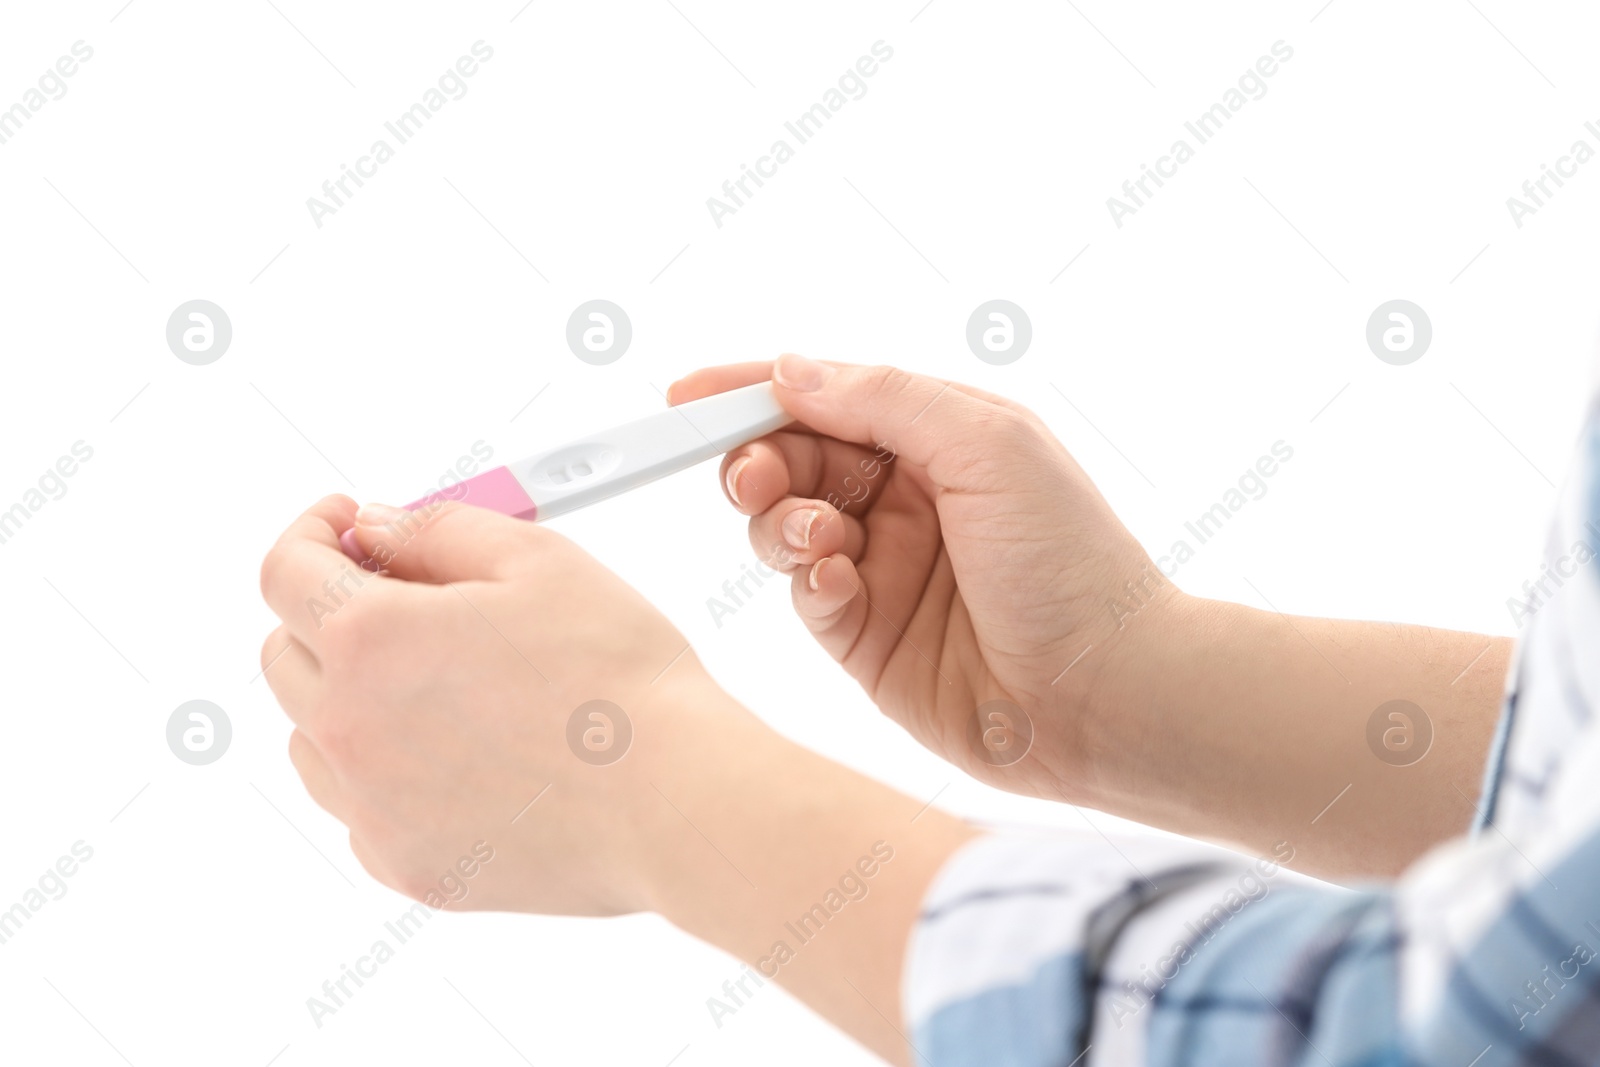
[
  {"x": 947, "y": 551},
  {"x": 434, "y": 702},
  {"x": 442, "y": 712}
]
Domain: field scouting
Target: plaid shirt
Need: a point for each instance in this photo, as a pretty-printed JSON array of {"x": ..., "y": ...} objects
[{"x": 1056, "y": 951}]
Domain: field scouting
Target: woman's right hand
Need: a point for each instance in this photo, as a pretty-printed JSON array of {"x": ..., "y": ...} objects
[{"x": 948, "y": 552}]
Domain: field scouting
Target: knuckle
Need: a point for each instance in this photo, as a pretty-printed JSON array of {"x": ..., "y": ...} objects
[
  {"x": 306, "y": 756},
  {"x": 769, "y": 546},
  {"x": 382, "y": 851},
  {"x": 441, "y": 509},
  {"x": 276, "y": 643},
  {"x": 992, "y": 441},
  {"x": 1001, "y": 431},
  {"x": 886, "y": 382},
  {"x": 442, "y": 515},
  {"x": 361, "y": 847},
  {"x": 416, "y": 883},
  {"x": 346, "y": 636},
  {"x": 1009, "y": 424},
  {"x": 411, "y": 884},
  {"x": 361, "y": 619},
  {"x": 349, "y": 647},
  {"x": 337, "y": 741},
  {"x": 271, "y": 568}
]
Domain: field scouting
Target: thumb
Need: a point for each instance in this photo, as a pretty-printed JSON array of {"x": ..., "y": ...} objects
[
  {"x": 438, "y": 542},
  {"x": 925, "y": 421}
]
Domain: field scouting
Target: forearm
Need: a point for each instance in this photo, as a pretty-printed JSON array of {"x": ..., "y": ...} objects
[
  {"x": 805, "y": 870},
  {"x": 1225, "y": 722}
]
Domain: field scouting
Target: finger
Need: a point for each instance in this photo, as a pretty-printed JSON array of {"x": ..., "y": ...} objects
[
  {"x": 710, "y": 380},
  {"x": 368, "y": 858},
  {"x": 292, "y": 674},
  {"x": 949, "y": 431},
  {"x": 305, "y": 572},
  {"x": 449, "y": 542},
  {"x": 829, "y": 597},
  {"x": 758, "y": 475},
  {"x": 320, "y": 781},
  {"x": 798, "y": 532}
]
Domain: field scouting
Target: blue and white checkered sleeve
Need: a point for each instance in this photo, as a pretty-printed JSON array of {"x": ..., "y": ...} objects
[
  {"x": 1036, "y": 952},
  {"x": 1031, "y": 953},
  {"x": 1049, "y": 953}
]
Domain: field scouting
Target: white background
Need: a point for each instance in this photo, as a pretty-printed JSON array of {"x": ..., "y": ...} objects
[{"x": 370, "y": 353}]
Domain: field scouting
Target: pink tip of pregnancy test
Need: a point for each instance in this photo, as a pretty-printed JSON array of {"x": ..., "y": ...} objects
[{"x": 496, "y": 490}]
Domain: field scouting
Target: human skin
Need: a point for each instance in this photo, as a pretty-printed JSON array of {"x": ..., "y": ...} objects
[
  {"x": 431, "y": 706},
  {"x": 980, "y": 564},
  {"x": 973, "y": 562}
]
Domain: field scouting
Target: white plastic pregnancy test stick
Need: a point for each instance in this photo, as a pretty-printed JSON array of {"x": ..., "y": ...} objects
[{"x": 613, "y": 461}]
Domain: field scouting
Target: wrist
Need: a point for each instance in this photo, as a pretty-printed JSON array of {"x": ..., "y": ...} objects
[
  {"x": 807, "y": 872},
  {"x": 730, "y": 812},
  {"x": 1120, "y": 704},
  {"x": 694, "y": 750}
]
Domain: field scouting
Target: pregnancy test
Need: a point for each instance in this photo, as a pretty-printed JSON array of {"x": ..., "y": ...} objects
[{"x": 601, "y": 465}]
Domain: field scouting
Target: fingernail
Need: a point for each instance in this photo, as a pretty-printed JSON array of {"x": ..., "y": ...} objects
[
  {"x": 797, "y": 526},
  {"x": 731, "y": 479},
  {"x": 379, "y": 515},
  {"x": 800, "y": 374},
  {"x": 670, "y": 388},
  {"x": 347, "y": 542},
  {"x": 814, "y": 579}
]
